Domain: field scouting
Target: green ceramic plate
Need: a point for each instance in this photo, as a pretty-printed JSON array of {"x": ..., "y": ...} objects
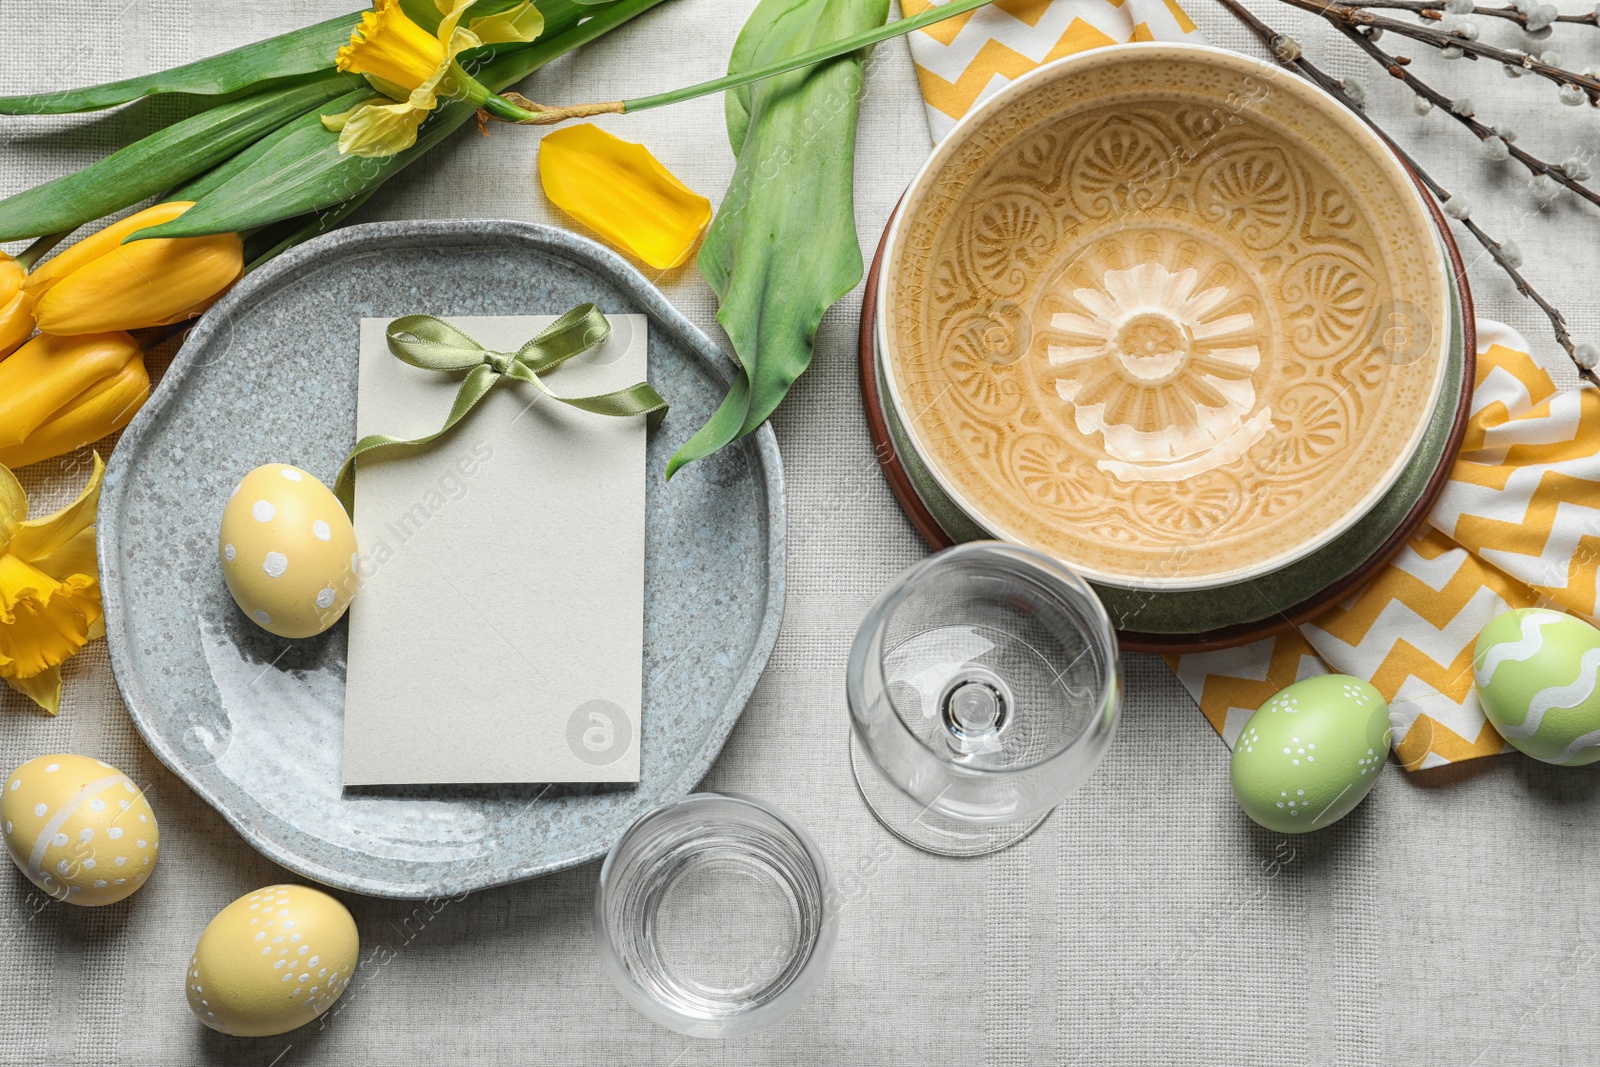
[{"x": 1204, "y": 610}]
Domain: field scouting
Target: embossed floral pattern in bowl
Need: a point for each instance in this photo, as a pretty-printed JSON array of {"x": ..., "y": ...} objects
[{"x": 1166, "y": 313}]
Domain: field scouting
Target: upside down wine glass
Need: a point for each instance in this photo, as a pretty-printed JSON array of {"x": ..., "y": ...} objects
[{"x": 984, "y": 687}]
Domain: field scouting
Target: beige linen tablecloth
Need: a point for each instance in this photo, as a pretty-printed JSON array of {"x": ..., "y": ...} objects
[{"x": 1448, "y": 921}]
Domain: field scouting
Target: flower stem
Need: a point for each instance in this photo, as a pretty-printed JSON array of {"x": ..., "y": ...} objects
[
  {"x": 544, "y": 116},
  {"x": 805, "y": 59},
  {"x": 40, "y": 248}
]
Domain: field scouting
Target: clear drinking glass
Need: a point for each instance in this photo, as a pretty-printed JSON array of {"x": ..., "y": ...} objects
[
  {"x": 984, "y": 687},
  {"x": 715, "y": 915}
]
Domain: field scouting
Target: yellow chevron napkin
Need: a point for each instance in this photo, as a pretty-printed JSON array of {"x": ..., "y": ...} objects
[
  {"x": 1518, "y": 524},
  {"x": 962, "y": 60}
]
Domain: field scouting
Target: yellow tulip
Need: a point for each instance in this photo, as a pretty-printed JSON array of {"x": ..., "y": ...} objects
[
  {"x": 101, "y": 284},
  {"x": 49, "y": 595},
  {"x": 16, "y": 306},
  {"x": 60, "y": 393},
  {"x": 100, "y": 243},
  {"x": 623, "y": 193}
]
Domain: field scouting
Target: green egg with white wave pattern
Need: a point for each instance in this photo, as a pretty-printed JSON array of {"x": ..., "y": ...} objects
[
  {"x": 1312, "y": 753},
  {"x": 1536, "y": 672}
]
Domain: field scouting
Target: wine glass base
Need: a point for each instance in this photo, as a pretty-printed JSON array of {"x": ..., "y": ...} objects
[{"x": 924, "y": 829}]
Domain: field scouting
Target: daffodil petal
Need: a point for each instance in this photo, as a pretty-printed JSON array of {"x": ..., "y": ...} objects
[
  {"x": 43, "y": 622},
  {"x": 520, "y": 24},
  {"x": 387, "y": 43},
  {"x": 337, "y": 122},
  {"x": 37, "y": 538},
  {"x": 623, "y": 193},
  {"x": 13, "y": 506},
  {"x": 77, "y": 556},
  {"x": 44, "y": 688},
  {"x": 381, "y": 129}
]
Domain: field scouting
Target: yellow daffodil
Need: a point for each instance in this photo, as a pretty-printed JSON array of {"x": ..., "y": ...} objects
[
  {"x": 623, "y": 193},
  {"x": 60, "y": 393},
  {"x": 49, "y": 593},
  {"x": 415, "y": 69},
  {"x": 100, "y": 284}
]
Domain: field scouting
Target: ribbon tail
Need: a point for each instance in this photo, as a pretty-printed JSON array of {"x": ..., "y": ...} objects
[
  {"x": 473, "y": 389},
  {"x": 638, "y": 399}
]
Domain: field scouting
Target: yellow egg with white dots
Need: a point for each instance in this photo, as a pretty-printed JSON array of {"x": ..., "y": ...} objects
[
  {"x": 79, "y": 829},
  {"x": 288, "y": 551},
  {"x": 272, "y": 961}
]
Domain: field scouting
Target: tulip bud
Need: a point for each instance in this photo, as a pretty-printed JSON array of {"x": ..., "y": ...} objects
[
  {"x": 98, "y": 244},
  {"x": 59, "y": 393},
  {"x": 100, "y": 284},
  {"x": 16, "y": 306}
]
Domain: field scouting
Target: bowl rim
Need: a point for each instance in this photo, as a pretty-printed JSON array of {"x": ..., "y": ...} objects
[
  {"x": 923, "y": 521},
  {"x": 1329, "y": 108}
]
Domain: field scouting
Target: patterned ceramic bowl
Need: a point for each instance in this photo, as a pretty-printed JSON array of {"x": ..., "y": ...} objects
[{"x": 1169, "y": 314}]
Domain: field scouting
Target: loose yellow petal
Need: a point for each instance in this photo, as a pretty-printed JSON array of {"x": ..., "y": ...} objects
[
  {"x": 104, "y": 408},
  {"x": 37, "y": 538},
  {"x": 619, "y": 190},
  {"x": 522, "y": 24},
  {"x": 388, "y": 45},
  {"x": 142, "y": 283},
  {"x": 44, "y": 689},
  {"x": 98, "y": 244},
  {"x": 47, "y": 374}
]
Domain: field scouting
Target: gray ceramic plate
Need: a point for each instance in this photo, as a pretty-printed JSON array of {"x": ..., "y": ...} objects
[
  {"x": 252, "y": 722},
  {"x": 1205, "y": 610}
]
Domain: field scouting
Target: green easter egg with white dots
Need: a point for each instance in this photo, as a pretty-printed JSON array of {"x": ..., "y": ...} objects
[
  {"x": 1538, "y": 678},
  {"x": 1309, "y": 755}
]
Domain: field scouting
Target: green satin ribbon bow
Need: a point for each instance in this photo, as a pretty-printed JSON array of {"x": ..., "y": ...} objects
[{"x": 433, "y": 344}]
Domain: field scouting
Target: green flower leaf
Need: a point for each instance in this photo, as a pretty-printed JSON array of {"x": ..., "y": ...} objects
[
  {"x": 302, "y": 171},
  {"x": 783, "y": 248},
  {"x": 304, "y": 51},
  {"x": 164, "y": 158}
]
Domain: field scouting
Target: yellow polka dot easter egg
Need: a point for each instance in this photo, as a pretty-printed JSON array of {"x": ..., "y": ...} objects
[
  {"x": 80, "y": 829},
  {"x": 288, "y": 551},
  {"x": 271, "y": 961}
]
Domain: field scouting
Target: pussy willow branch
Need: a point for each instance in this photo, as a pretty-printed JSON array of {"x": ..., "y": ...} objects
[
  {"x": 1431, "y": 10},
  {"x": 1287, "y": 53},
  {"x": 1355, "y": 16},
  {"x": 1397, "y": 67}
]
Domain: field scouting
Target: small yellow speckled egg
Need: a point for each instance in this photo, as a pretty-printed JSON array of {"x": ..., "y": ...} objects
[
  {"x": 271, "y": 961},
  {"x": 79, "y": 829},
  {"x": 288, "y": 551}
]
